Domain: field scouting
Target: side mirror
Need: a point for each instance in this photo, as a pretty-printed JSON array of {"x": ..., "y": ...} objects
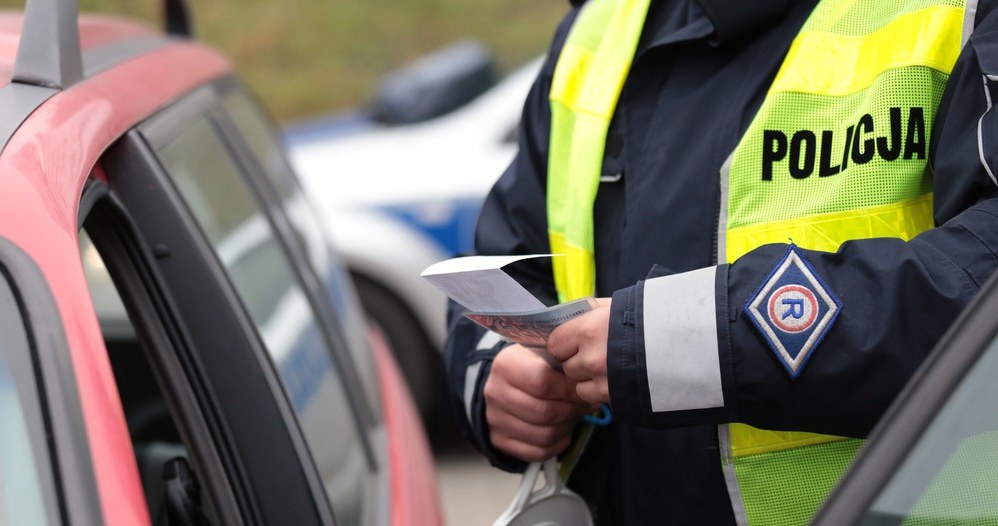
[{"x": 435, "y": 84}]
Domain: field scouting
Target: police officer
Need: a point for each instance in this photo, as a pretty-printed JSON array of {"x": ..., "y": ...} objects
[{"x": 781, "y": 205}]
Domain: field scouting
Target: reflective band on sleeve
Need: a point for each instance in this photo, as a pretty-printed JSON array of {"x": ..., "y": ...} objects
[
  {"x": 681, "y": 352},
  {"x": 470, "y": 380}
]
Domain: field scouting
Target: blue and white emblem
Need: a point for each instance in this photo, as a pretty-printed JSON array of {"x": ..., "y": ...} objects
[{"x": 793, "y": 309}]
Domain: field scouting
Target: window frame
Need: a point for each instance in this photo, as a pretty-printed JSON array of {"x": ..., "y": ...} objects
[
  {"x": 255, "y": 431},
  {"x": 258, "y": 428},
  {"x": 44, "y": 376},
  {"x": 167, "y": 345}
]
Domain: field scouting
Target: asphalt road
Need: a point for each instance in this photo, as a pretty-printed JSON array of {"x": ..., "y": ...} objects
[{"x": 472, "y": 493}]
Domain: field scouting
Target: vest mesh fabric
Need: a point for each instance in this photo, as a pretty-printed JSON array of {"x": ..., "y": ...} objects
[
  {"x": 870, "y": 184},
  {"x": 786, "y": 487},
  {"x": 837, "y": 151},
  {"x": 778, "y": 486},
  {"x": 587, "y": 82}
]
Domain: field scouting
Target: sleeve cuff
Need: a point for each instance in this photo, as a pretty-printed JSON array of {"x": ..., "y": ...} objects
[{"x": 664, "y": 357}]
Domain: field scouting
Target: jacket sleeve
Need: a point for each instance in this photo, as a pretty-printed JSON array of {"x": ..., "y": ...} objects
[
  {"x": 512, "y": 221},
  {"x": 687, "y": 349}
]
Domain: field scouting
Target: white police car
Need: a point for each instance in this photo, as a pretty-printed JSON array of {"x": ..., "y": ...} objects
[{"x": 401, "y": 195}]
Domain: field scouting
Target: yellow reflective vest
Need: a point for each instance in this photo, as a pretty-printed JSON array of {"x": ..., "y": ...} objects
[{"x": 837, "y": 151}]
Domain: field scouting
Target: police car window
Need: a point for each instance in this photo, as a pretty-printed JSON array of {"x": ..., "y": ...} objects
[
  {"x": 265, "y": 148},
  {"x": 265, "y": 279},
  {"x": 951, "y": 475}
]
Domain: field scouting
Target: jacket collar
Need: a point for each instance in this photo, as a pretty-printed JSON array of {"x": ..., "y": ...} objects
[{"x": 734, "y": 19}]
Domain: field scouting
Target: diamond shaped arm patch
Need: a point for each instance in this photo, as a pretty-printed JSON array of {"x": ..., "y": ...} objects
[{"x": 793, "y": 309}]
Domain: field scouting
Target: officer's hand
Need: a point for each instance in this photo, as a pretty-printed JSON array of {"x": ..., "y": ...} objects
[
  {"x": 531, "y": 408},
  {"x": 580, "y": 345}
]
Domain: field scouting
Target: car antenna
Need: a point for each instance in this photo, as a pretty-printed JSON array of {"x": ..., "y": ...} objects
[
  {"x": 178, "y": 21},
  {"x": 49, "y": 54}
]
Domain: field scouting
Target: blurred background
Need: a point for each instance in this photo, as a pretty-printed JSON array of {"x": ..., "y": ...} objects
[
  {"x": 399, "y": 115},
  {"x": 310, "y": 57}
]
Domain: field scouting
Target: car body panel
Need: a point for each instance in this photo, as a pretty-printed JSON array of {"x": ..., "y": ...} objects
[{"x": 413, "y": 501}]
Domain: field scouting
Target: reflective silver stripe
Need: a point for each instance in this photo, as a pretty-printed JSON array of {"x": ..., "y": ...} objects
[
  {"x": 723, "y": 434},
  {"x": 680, "y": 330},
  {"x": 969, "y": 14},
  {"x": 470, "y": 380},
  {"x": 722, "y": 212},
  {"x": 980, "y": 131},
  {"x": 730, "y": 477}
]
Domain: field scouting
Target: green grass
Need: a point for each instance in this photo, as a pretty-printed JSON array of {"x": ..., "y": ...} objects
[{"x": 309, "y": 57}]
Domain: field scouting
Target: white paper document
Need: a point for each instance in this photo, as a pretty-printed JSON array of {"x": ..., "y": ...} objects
[
  {"x": 481, "y": 285},
  {"x": 497, "y": 302}
]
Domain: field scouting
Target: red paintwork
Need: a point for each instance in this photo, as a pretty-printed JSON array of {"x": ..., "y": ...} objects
[
  {"x": 42, "y": 171},
  {"x": 413, "y": 479}
]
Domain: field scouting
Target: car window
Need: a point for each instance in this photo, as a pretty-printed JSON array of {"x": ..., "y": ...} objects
[
  {"x": 20, "y": 487},
  {"x": 254, "y": 128},
  {"x": 951, "y": 475},
  {"x": 244, "y": 240}
]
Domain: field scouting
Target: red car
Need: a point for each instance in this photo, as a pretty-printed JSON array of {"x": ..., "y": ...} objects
[{"x": 178, "y": 346}]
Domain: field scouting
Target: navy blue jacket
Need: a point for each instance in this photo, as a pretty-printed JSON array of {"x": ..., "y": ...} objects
[{"x": 700, "y": 73}]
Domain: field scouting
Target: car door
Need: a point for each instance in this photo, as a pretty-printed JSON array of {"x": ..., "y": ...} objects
[
  {"x": 933, "y": 458},
  {"x": 250, "y": 354}
]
